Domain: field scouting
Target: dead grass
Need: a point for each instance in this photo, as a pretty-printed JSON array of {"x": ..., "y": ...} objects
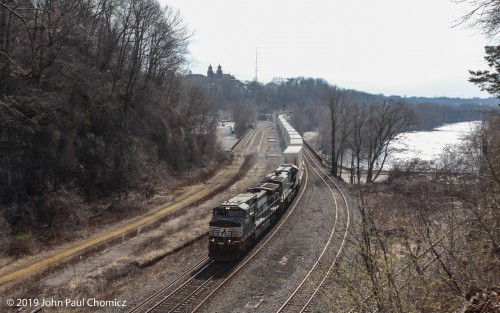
[
  {"x": 92, "y": 216},
  {"x": 178, "y": 231}
]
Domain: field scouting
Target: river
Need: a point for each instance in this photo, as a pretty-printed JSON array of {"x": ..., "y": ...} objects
[{"x": 428, "y": 145}]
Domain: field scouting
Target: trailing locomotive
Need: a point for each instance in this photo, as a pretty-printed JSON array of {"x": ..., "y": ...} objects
[{"x": 239, "y": 221}]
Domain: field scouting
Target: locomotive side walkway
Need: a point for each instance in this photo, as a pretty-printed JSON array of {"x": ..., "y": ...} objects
[{"x": 187, "y": 196}]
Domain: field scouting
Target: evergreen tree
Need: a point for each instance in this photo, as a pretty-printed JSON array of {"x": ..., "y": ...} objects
[{"x": 489, "y": 80}]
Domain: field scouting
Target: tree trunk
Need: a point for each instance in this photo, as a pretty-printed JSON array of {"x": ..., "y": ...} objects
[{"x": 334, "y": 157}]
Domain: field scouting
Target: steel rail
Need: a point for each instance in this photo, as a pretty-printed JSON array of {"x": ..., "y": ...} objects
[
  {"x": 189, "y": 271},
  {"x": 166, "y": 298},
  {"x": 300, "y": 288},
  {"x": 183, "y": 285},
  {"x": 247, "y": 260}
]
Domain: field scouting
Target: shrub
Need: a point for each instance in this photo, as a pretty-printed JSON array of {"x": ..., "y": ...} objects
[
  {"x": 21, "y": 244},
  {"x": 64, "y": 209}
]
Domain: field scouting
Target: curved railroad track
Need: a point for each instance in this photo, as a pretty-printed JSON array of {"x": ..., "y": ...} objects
[
  {"x": 178, "y": 296},
  {"x": 252, "y": 255},
  {"x": 194, "y": 284},
  {"x": 193, "y": 289},
  {"x": 309, "y": 287},
  {"x": 169, "y": 289},
  {"x": 39, "y": 264}
]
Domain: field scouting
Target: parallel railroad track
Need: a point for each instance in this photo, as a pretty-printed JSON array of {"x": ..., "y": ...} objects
[
  {"x": 300, "y": 300},
  {"x": 274, "y": 231},
  {"x": 200, "y": 283},
  {"x": 244, "y": 144},
  {"x": 184, "y": 292},
  {"x": 166, "y": 291},
  {"x": 118, "y": 233},
  {"x": 181, "y": 298}
]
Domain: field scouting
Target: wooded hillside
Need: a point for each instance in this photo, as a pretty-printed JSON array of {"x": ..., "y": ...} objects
[{"x": 93, "y": 104}]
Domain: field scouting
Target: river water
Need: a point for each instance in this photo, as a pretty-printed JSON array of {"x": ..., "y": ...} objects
[{"x": 428, "y": 145}]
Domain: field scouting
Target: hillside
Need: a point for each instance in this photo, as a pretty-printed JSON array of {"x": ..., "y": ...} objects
[{"x": 93, "y": 106}]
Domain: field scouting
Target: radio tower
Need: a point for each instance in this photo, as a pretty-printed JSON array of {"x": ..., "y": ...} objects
[{"x": 256, "y": 64}]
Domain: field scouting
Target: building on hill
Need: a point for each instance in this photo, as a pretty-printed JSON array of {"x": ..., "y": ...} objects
[
  {"x": 218, "y": 74},
  {"x": 210, "y": 72}
]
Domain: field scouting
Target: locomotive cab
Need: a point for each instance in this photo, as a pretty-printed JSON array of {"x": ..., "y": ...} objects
[
  {"x": 224, "y": 240},
  {"x": 230, "y": 226},
  {"x": 290, "y": 169}
]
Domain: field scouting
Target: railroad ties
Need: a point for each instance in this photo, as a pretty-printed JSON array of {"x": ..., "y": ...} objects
[
  {"x": 181, "y": 294},
  {"x": 302, "y": 298}
]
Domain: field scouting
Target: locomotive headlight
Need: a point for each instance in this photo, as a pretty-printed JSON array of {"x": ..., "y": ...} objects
[
  {"x": 212, "y": 240},
  {"x": 229, "y": 241}
]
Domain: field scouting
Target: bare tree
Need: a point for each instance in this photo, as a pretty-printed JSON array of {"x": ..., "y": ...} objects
[
  {"x": 337, "y": 101},
  {"x": 46, "y": 27},
  {"x": 201, "y": 120},
  {"x": 358, "y": 117},
  {"x": 386, "y": 120},
  {"x": 243, "y": 114},
  {"x": 485, "y": 15}
]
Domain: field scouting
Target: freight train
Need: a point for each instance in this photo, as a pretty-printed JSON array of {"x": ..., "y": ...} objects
[{"x": 239, "y": 221}]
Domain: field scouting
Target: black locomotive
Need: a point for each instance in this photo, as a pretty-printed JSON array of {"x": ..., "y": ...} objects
[{"x": 237, "y": 222}]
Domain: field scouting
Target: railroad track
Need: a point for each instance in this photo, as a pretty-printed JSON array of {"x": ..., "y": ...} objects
[
  {"x": 180, "y": 297},
  {"x": 182, "y": 293},
  {"x": 302, "y": 297},
  {"x": 200, "y": 284},
  {"x": 274, "y": 231},
  {"x": 166, "y": 291},
  {"x": 252, "y": 138},
  {"x": 244, "y": 144}
]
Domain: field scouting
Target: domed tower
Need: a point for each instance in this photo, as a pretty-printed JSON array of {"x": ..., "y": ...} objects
[
  {"x": 219, "y": 71},
  {"x": 210, "y": 72}
]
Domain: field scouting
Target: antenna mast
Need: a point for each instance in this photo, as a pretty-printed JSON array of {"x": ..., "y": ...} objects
[{"x": 256, "y": 64}]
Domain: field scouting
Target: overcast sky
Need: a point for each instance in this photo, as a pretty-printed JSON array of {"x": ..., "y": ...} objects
[{"x": 394, "y": 47}]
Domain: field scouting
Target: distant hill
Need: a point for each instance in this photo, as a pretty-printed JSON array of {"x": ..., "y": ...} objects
[{"x": 492, "y": 101}]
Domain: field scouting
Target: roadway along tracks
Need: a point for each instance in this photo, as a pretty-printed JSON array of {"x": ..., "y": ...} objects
[{"x": 302, "y": 297}]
